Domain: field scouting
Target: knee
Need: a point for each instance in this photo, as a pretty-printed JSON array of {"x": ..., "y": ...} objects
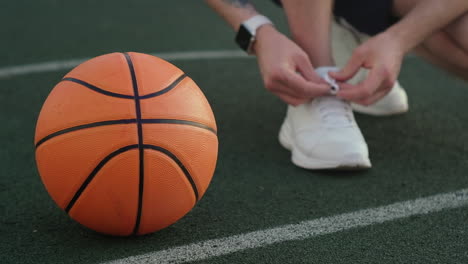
[
  {"x": 464, "y": 68},
  {"x": 458, "y": 31}
]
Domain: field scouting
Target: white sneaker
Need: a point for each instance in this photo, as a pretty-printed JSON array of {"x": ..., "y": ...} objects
[
  {"x": 324, "y": 135},
  {"x": 395, "y": 102},
  {"x": 344, "y": 40}
]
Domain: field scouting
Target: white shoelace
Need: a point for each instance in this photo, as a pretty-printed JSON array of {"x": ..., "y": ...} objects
[
  {"x": 323, "y": 73},
  {"x": 334, "y": 112}
]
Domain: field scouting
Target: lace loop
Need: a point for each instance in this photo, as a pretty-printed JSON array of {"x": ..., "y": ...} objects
[{"x": 334, "y": 112}]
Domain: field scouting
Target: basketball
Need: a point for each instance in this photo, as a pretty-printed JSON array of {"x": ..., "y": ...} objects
[{"x": 126, "y": 144}]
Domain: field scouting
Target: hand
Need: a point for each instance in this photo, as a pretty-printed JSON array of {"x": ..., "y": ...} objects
[
  {"x": 382, "y": 55},
  {"x": 286, "y": 69}
]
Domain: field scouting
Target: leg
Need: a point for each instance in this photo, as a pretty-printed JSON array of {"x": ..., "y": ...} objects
[
  {"x": 310, "y": 25},
  {"x": 435, "y": 50},
  {"x": 459, "y": 31},
  {"x": 447, "y": 48}
]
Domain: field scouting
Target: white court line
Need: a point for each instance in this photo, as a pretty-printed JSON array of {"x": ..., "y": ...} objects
[
  {"x": 303, "y": 230},
  {"x": 51, "y": 66}
]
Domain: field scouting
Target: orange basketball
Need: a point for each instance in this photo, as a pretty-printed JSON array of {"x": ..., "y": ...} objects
[{"x": 126, "y": 144}]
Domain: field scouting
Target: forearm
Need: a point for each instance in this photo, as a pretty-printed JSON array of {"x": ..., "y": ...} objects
[
  {"x": 309, "y": 22},
  {"x": 233, "y": 11},
  {"x": 424, "y": 19}
]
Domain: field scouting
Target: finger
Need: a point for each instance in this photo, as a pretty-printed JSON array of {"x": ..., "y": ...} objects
[
  {"x": 288, "y": 95},
  {"x": 280, "y": 88},
  {"x": 349, "y": 92},
  {"x": 291, "y": 100},
  {"x": 304, "y": 66},
  {"x": 363, "y": 90},
  {"x": 374, "y": 98},
  {"x": 303, "y": 88},
  {"x": 350, "y": 69}
]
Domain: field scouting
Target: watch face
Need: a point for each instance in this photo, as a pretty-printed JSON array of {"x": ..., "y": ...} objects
[{"x": 244, "y": 38}]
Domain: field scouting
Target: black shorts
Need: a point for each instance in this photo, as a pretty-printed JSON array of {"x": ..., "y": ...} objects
[{"x": 368, "y": 16}]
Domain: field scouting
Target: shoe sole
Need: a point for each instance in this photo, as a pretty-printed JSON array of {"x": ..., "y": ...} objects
[
  {"x": 377, "y": 112},
  {"x": 301, "y": 160}
]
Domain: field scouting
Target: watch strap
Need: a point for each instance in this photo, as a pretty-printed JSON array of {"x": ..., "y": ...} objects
[
  {"x": 247, "y": 31},
  {"x": 253, "y": 23}
]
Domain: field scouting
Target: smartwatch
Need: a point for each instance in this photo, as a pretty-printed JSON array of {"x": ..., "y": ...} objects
[{"x": 246, "y": 34}]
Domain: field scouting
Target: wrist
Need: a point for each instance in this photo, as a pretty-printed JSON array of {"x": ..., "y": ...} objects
[
  {"x": 263, "y": 34},
  {"x": 400, "y": 38}
]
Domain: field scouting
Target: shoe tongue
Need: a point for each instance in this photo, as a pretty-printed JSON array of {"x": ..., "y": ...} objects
[{"x": 334, "y": 112}]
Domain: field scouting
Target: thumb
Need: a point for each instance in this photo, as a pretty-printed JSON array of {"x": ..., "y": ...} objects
[
  {"x": 305, "y": 68},
  {"x": 349, "y": 70}
]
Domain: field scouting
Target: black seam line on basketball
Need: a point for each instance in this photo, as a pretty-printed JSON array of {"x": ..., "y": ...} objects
[
  {"x": 179, "y": 163},
  {"x": 165, "y": 90},
  {"x": 94, "y": 172},
  {"x": 97, "y": 89},
  {"x": 140, "y": 142},
  {"x": 104, "y": 161},
  {"x": 178, "y": 122},
  {"x": 124, "y": 121},
  {"x": 84, "y": 126}
]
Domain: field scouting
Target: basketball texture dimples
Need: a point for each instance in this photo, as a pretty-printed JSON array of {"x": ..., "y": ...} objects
[{"x": 126, "y": 144}]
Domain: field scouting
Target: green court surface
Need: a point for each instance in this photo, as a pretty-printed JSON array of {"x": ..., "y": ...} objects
[{"x": 255, "y": 186}]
